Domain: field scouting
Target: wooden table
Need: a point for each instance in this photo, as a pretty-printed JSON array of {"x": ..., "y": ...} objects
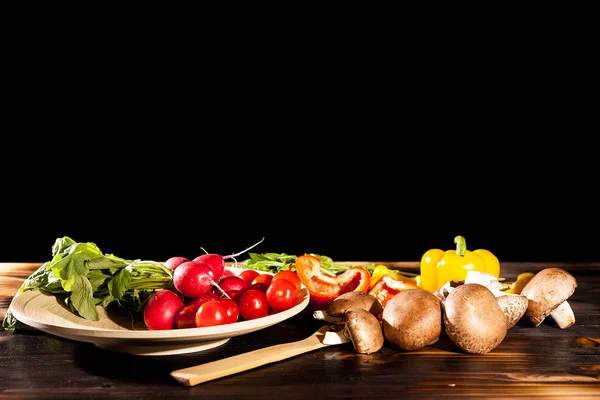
[{"x": 541, "y": 362}]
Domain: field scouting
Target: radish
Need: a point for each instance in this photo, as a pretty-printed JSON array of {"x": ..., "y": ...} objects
[
  {"x": 174, "y": 262},
  {"x": 193, "y": 279},
  {"x": 217, "y": 262},
  {"x": 232, "y": 283},
  {"x": 161, "y": 309}
]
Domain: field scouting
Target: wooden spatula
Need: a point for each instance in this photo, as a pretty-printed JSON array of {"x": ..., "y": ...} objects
[{"x": 192, "y": 376}]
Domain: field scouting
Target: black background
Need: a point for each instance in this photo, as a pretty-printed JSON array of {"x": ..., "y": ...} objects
[
  {"x": 372, "y": 204},
  {"x": 150, "y": 165}
]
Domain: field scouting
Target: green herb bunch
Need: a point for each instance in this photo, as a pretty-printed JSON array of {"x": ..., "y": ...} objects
[{"x": 83, "y": 277}]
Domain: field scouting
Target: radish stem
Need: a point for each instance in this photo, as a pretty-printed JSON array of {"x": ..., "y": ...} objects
[
  {"x": 243, "y": 251},
  {"x": 219, "y": 287}
]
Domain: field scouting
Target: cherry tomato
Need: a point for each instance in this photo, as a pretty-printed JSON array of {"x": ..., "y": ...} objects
[
  {"x": 282, "y": 294},
  {"x": 253, "y": 304},
  {"x": 161, "y": 309},
  {"x": 231, "y": 308},
  {"x": 248, "y": 275},
  {"x": 261, "y": 282},
  {"x": 211, "y": 313},
  {"x": 290, "y": 276},
  {"x": 186, "y": 316}
]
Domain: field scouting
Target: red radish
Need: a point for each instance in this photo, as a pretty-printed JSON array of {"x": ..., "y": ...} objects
[
  {"x": 232, "y": 283},
  {"x": 234, "y": 295},
  {"x": 161, "y": 309},
  {"x": 174, "y": 262},
  {"x": 193, "y": 279},
  {"x": 203, "y": 298},
  {"x": 217, "y": 262},
  {"x": 227, "y": 272}
]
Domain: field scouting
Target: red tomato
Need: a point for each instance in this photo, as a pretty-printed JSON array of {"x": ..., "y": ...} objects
[
  {"x": 161, "y": 309},
  {"x": 186, "y": 316},
  {"x": 282, "y": 294},
  {"x": 290, "y": 276},
  {"x": 232, "y": 309},
  {"x": 261, "y": 282},
  {"x": 248, "y": 275},
  {"x": 253, "y": 304},
  {"x": 211, "y": 313}
]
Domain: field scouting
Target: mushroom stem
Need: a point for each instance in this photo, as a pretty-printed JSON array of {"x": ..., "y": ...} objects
[
  {"x": 324, "y": 316},
  {"x": 563, "y": 315},
  {"x": 332, "y": 337}
]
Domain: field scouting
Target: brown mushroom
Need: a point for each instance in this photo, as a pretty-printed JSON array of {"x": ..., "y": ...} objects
[
  {"x": 473, "y": 320},
  {"x": 364, "y": 330},
  {"x": 336, "y": 309},
  {"x": 513, "y": 306},
  {"x": 547, "y": 293},
  {"x": 412, "y": 319}
]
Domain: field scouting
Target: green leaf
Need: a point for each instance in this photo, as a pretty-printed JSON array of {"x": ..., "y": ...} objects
[
  {"x": 97, "y": 278},
  {"x": 74, "y": 264},
  {"x": 119, "y": 283},
  {"x": 83, "y": 300},
  {"x": 38, "y": 279},
  {"x": 61, "y": 245},
  {"x": 107, "y": 262}
]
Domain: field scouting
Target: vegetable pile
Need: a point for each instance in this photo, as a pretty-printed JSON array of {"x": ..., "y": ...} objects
[{"x": 458, "y": 293}]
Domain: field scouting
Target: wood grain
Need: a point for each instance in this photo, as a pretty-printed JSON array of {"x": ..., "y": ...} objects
[{"x": 541, "y": 362}]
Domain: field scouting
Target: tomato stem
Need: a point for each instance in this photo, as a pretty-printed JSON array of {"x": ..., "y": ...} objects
[{"x": 461, "y": 245}]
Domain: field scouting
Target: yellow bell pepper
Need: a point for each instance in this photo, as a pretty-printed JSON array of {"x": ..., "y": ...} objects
[{"x": 438, "y": 266}]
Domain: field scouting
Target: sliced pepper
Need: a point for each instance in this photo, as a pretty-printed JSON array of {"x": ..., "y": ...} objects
[
  {"x": 518, "y": 285},
  {"x": 379, "y": 271},
  {"x": 324, "y": 288},
  {"x": 439, "y": 267},
  {"x": 387, "y": 287}
]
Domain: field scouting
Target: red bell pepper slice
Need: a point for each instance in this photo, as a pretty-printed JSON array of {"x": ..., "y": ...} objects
[
  {"x": 324, "y": 288},
  {"x": 387, "y": 287}
]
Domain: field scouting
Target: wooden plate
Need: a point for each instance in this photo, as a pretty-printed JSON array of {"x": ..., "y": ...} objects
[{"x": 122, "y": 332}]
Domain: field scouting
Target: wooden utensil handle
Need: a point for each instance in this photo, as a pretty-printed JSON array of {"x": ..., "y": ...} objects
[{"x": 242, "y": 362}]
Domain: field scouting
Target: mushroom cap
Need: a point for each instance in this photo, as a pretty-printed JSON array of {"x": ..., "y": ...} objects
[
  {"x": 412, "y": 319},
  {"x": 473, "y": 320},
  {"x": 513, "y": 306},
  {"x": 354, "y": 299},
  {"x": 548, "y": 289},
  {"x": 364, "y": 330}
]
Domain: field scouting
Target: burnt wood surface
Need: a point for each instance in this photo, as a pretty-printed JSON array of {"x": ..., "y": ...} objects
[{"x": 541, "y": 362}]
